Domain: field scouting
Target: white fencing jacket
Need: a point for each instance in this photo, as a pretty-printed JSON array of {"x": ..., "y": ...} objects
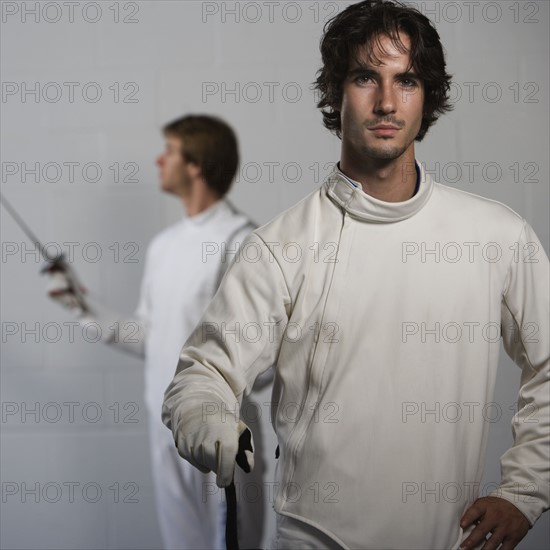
[{"x": 384, "y": 322}]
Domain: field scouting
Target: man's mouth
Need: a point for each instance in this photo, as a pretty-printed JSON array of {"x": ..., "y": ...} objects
[{"x": 384, "y": 130}]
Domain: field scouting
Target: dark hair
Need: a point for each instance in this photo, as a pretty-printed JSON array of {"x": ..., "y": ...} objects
[
  {"x": 363, "y": 24},
  {"x": 211, "y": 144}
]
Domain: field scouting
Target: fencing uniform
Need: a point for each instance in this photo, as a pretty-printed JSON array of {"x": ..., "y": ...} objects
[{"x": 384, "y": 321}]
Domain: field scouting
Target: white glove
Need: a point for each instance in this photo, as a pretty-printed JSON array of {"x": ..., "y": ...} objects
[
  {"x": 214, "y": 447},
  {"x": 64, "y": 287}
]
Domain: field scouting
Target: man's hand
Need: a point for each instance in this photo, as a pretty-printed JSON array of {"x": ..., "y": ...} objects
[
  {"x": 64, "y": 287},
  {"x": 214, "y": 448},
  {"x": 498, "y": 517}
]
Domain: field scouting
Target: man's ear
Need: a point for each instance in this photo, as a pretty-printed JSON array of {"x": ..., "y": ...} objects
[{"x": 194, "y": 170}]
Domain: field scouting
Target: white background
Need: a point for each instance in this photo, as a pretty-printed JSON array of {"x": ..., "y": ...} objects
[{"x": 153, "y": 62}]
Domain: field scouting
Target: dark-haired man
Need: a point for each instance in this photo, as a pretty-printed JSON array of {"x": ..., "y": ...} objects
[
  {"x": 354, "y": 327},
  {"x": 183, "y": 268}
]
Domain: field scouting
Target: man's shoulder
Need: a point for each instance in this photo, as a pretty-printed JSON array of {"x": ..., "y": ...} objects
[
  {"x": 225, "y": 221},
  {"x": 477, "y": 205},
  {"x": 236, "y": 219},
  {"x": 293, "y": 219}
]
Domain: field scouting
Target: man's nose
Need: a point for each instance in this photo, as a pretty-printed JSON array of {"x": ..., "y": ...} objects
[{"x": 386, "y": 100}]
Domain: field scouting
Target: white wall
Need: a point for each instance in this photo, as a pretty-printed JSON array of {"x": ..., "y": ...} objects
[{"x": 157, "y": 61}]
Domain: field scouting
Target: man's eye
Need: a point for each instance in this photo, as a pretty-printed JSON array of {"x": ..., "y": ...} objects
[
  {"x": 408, "y": 83},
  {"x": 361, "y": 79}
]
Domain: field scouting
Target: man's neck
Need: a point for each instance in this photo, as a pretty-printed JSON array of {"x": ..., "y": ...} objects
[
  {"x": 388, "y": 181},
  {"x": 198, "y": 202}
]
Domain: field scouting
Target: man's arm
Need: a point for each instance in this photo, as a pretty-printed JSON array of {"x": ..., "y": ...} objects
[
  {"x": 101, "y": 323},
  {"x": 219, "y": 362},
  {"x": 523, "y": 494},
  {"x": 232, "y": 246},
  {"x": 124, "y": 333}
]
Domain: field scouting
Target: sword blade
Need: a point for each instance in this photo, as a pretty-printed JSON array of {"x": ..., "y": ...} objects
[{"x": 26, "y": 229}]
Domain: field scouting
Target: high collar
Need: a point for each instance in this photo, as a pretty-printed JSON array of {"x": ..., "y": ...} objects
[
  {"x": 205, "y": 215},
  {"x": 365, "y": 207}
]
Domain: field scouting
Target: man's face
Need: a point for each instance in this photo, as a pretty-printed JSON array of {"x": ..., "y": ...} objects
[
  {"x": 173, "y": 170},
  {"x": 381, "y": 109}
]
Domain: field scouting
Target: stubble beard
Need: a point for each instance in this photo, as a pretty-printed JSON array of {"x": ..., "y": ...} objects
[
  {"x": 383, "y": 153},
  {"x": 381, "y": 150}
]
